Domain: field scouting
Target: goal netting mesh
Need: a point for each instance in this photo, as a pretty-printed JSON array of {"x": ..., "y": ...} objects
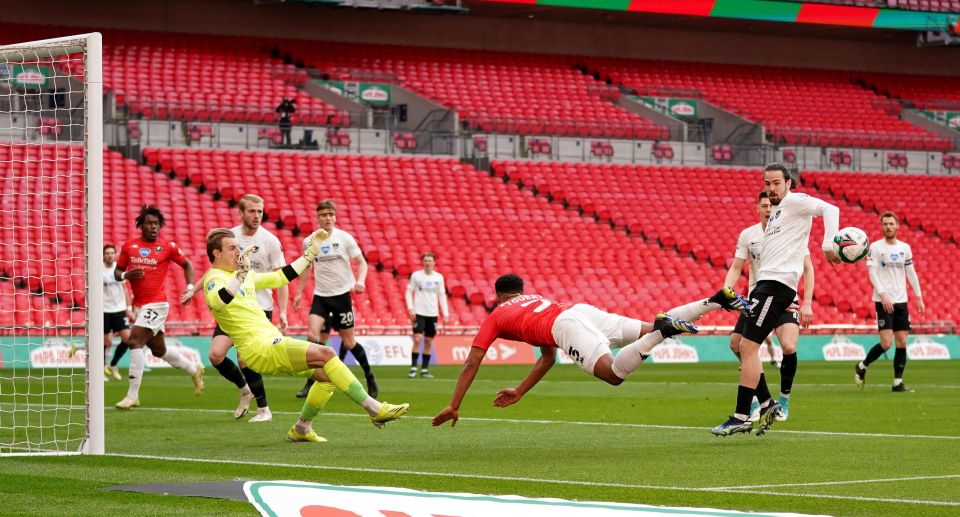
[{"x": 51, "y": 342}]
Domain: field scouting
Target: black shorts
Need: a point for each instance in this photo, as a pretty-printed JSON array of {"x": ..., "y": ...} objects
[
  {"x": 896, "y": 321},
  {"x": 786, "y": 317},
  {"x": 770, "y": 300},
  {"x": 336, "y": 311},
  {"x": 426, "y": 325},
  {"x": 217, "y": 331},
  {"x": 115, "y": 322}
]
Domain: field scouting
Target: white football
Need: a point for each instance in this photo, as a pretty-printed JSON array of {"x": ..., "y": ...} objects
[{"x": 851, "y": 244}]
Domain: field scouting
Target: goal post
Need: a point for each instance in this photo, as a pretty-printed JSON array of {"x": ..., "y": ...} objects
[{"x": 51, "y": 247}]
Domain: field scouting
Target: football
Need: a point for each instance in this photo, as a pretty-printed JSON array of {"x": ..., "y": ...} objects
[{"x": 851, "y": 245}]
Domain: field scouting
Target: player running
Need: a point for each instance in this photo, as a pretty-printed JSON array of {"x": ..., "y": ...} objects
[
  {"x": 144, "y": 263},
  {"x": 582, "y": 331},
  {"x": 230, "y": 290}
]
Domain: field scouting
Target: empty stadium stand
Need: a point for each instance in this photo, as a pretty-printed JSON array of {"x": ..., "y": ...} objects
[
  {"x": 492, "y": 91},
  {"x": 795, "y": 106}
]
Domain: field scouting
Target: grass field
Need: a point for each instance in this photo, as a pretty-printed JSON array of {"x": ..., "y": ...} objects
[{"x": 843, "y": 452}]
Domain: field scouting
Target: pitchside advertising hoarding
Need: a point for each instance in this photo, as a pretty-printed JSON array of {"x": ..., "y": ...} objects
[{"x": 55, "y": 352}]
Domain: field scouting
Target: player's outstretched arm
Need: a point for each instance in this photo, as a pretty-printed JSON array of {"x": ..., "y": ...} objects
[
  {"x": 548, "y": 357},
  {"x": 469, "y": 372},
  {"x": 286, "y": 274}
]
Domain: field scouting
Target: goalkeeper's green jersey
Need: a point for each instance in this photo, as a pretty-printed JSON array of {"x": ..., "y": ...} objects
[{"x": 242, "y": 319}]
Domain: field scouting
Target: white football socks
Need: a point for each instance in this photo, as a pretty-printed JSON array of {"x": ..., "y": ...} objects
[
  {"x": 136, "y": 372},
  {"x": 173, "y": 358}
]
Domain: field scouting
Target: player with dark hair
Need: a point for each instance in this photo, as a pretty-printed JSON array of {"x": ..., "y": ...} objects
[
  {"x": 781, "y": 264},
  {"x": 144, "y": 262},
  {"x": 585, "y": 333},
  {"x": 426, "y": 302},
  {"x": 890, "y": 266},
  {"x": 788, "y": 329}
]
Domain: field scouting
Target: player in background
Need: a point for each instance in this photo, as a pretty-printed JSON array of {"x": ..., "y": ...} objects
[
  {"x": 230, "y": 288},
  {"x": 782, "y": 253},
  {"x": 333, "y": 281},
  {"x": 144, "y": 262},
  {"x": 890, "y": 266},
  {"x": 426, "y": 302},
  {"x": 117, "y": 313},
  {"x": 582, "y": 331},
  {"x": 269, "y": 257},
  {"x": 788, "y": 329}
]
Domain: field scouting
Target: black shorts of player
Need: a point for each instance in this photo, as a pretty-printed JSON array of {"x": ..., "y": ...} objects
[
  {"x": 336, "y": 311},
  {"x": 770, "y": 300},
  {"x": 786, "y": 317},
  {"x": 426, "y": 325},
  {"x": 896, "y": 321},
  {"x": 217, "y": 331},
  {"x": 115, "y": 322}
]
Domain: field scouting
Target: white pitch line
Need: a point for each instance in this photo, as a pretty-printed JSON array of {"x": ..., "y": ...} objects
[
  {"x": 597, "y": 424},
  {"x": 834, "y": 483},
  {"x": 517, "y": 478},
  {"x": 848, "y": 498}
]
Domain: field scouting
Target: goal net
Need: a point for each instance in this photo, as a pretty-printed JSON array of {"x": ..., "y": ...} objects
[{"x": 51, "y": 238}]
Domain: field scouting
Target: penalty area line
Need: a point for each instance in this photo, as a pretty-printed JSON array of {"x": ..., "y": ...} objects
[{"x": 587, "y": 423}]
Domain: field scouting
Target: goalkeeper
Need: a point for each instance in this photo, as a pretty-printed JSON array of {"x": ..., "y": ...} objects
[{"x": 230, "y": 290}]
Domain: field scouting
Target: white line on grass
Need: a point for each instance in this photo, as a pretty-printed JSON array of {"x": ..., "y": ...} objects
[
  {"x": 519, "y": 479},
  {"x": 598, "y": 424},
  {"x": 832, "y": 483}
]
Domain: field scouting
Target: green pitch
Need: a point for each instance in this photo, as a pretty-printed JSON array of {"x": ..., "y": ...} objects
[{"x": 844, "y": 452}]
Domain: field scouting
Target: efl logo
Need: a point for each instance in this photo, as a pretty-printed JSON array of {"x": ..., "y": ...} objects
[
  {"x": 840, "y": 348},
  {"x": 300, "y": 499},
  {"x": 675, "y": 352}
]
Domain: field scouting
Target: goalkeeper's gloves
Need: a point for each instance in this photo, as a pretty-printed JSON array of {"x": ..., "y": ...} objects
[
  {"x": 313, "y": 244},
  {"x": 244, "y": 262},
  {"x": 312, "y": 250}
]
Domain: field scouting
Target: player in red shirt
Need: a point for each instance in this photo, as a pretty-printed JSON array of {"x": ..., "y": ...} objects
[
  {"x": 144, "y": 262},
  {"x": 583, "y": 332}
]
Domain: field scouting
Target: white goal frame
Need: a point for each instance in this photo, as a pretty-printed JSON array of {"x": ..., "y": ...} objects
[{"x": 92, "y": 47}]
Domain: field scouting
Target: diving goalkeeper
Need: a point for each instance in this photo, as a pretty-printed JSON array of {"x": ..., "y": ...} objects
[{"x": 230, "y": 290}]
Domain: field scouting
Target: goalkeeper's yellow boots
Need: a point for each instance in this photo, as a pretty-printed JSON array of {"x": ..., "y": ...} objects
[
  {"x": 127, "y": 403},
  {"x": 388, "y": 413},
  {"x": 197, "y": 377},
  {"x": 107, "y": 373},
  {"x": 294, "y": 436}
]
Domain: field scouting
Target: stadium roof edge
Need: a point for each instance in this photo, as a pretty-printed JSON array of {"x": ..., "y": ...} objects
[{"x": 765, "y": 10}]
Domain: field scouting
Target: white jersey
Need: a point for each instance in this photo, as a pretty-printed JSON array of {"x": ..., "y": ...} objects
[
  {"x": 748, "y": 248},
  {"x": 890, "y": 265},
  {"x": 332, "y": 273},
  {"x": 114, "y": 294},
  {"x": 268, "y": 258},
  {"x": 425, "y": 293},
  {"x": 786, "y": 238}
]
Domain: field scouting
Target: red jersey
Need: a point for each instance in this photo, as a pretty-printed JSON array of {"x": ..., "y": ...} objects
[
  {"x": 528, "y": 318},
  {"x": 154, "y": 259}
]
